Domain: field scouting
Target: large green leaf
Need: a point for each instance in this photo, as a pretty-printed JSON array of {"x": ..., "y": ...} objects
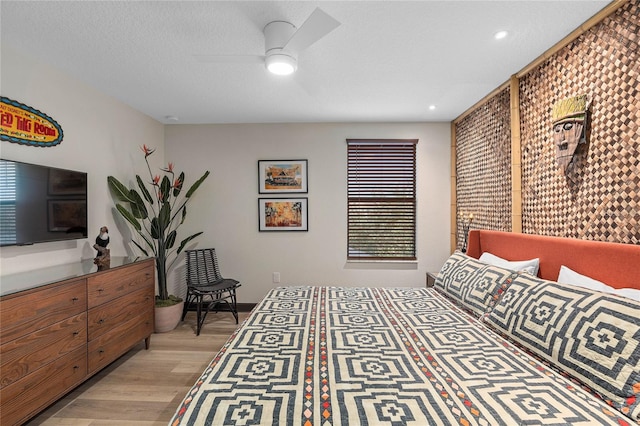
[
  {"x": 176, "y": 191},
  {"x": 145, "y": 192},
  {"x": 196, "y": 185},
  {"x": 138, "y": 207},
  {"x": 171, "y": 239},
  {"x": 119, "y": 190},
  {"x": 182, "y": 210},
  {"x": 160, "y": 224},
  {"x": 155, "y": 228},
  {"x": 165, "y": 216},
  {"x": 185, "y": 241},
  {"x": 165, "y": 188},
  {"x": 129, "y": 217}
]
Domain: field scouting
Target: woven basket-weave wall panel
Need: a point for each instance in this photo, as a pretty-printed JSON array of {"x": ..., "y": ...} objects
[
  {"x": 599, "y": 197},
  {"x": 483, "y": 165}
]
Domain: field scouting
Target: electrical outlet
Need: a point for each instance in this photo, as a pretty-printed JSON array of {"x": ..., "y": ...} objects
[{"x": 276, "y": 277}]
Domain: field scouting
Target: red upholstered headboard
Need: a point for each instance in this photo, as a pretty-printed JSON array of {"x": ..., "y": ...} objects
[{"x": 615, "y": 264}]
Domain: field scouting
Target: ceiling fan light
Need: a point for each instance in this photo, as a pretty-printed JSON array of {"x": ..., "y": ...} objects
[{"x": 281, "y": 64}]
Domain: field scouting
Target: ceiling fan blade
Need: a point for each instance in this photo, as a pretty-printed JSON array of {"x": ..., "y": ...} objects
[
  {"x": 238, "y": 59},
  {"x": 317, "y": 25}
]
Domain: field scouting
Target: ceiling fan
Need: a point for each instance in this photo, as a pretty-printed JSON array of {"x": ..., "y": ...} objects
[{"x": 283, "y": 42}]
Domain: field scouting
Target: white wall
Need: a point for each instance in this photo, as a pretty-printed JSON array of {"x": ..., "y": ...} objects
[
  {"x": 101, "y": 137},
  {"x": 226, "y": 206}
]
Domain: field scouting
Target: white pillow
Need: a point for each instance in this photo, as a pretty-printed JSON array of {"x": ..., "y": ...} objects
[
  {"x": 568, "y": 276},
  {"x": 528, "y": 266}
]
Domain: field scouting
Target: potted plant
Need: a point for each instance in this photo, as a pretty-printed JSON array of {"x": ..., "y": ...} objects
[{"x": 156, "y": 215}]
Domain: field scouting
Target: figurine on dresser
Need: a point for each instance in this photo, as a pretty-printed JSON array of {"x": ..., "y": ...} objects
[{"x": 103, "y": 257}]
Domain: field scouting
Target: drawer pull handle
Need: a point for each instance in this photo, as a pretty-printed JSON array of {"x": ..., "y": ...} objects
[
  {"x": 101, "y": 321},
  {"x": 100, "y": 290},
  {"x": 101, "y": 351},
  {"x": 75, "y": 367},
  {"x": 75, "y": 333},
  {"x": 74, "y": 299}
]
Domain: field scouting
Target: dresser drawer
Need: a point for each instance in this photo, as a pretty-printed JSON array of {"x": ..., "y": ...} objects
[
  {"x": 118, "y": 340},
  {"x": 21, "y": 399},
  {"x": 105, "y": 317},
  {"x": 24, "y": 313},
  {"x": 26, "y": 354},
  {"x": 110, "y": 285}
]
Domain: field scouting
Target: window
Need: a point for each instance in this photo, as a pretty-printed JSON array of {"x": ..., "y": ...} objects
[{"x": 381, "y": 199}]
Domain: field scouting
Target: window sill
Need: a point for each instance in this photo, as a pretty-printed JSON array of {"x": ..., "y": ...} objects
[
  {"x": 380, "y": 261},
  {"x": 381, "y": 264}
]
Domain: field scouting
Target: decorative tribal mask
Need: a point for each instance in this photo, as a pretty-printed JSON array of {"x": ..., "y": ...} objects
[{"x": 569, "y": 122}]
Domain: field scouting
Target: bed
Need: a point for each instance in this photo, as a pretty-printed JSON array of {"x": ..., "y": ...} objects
[{"x": 486, "y": 346}]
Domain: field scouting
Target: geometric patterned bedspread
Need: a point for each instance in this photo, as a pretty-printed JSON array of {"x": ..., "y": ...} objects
[{"x": 378, "y": 356}]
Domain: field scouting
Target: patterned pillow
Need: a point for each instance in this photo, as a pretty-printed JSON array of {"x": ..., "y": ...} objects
[
  {"x": 593, "y": 336},
  {"x": 474, "y": 285}
]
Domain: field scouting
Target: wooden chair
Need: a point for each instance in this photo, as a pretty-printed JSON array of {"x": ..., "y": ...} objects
[{"x": 206, "y": 287}]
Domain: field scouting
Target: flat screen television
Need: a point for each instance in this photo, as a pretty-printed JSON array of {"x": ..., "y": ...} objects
[{"x": 41, "y": 204}]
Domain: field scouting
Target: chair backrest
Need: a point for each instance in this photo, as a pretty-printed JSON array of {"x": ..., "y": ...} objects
[{"x": 202, "y": 267}]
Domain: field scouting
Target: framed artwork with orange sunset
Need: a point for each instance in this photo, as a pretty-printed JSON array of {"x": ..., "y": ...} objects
[{"x": 283, "y": 214}]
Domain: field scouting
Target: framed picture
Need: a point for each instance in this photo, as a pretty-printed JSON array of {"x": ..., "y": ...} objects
[
  {"x": 66, "y": 215},
  {"x": 67, "y": 182},
  {"x": 283, "y": 214},
  {"x": 280, "y": 176}
]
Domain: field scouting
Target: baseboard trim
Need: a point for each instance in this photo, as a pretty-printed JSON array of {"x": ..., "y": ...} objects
[
  {"x": 242, "y": 307},
  {"x": 246, "y": 307}
]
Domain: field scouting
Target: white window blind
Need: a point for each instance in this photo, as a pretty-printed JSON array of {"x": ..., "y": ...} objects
[
  {"x": 381, "y": 192},
  {"x": 7, "y": 203}
]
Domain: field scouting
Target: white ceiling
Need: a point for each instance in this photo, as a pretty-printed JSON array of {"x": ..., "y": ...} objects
[{"x": 388, "y": 61}]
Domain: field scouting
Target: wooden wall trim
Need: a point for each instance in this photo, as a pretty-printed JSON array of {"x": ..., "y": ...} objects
[
  {"x": 454, "y": 192},
  {"x": 516, "y": 157},
  {"x": 482, "y": 101}
]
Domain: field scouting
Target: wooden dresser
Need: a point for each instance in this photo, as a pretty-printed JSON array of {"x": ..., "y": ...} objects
[{"x": 65, "y": 324}]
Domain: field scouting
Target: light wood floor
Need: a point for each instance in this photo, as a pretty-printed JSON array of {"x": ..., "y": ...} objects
[{"x": 145, "y": 387}]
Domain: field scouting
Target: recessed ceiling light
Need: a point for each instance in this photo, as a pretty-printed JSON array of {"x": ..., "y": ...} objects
[
  {"x": 432, "y": 107},
  {"x": 171, "y": 118},
  {"x": 500, "y": 35}
]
